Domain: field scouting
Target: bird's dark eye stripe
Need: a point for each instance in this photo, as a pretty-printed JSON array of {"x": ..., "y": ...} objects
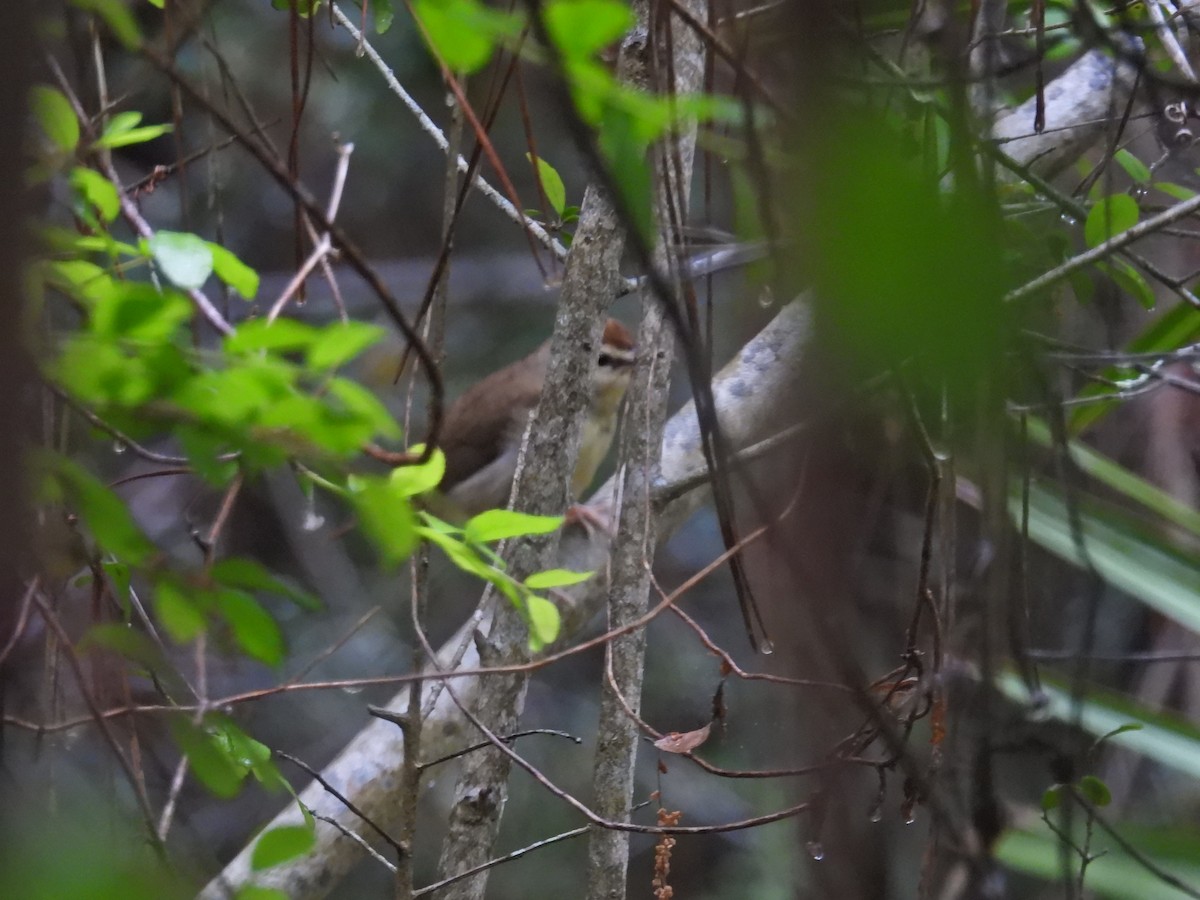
[{"x": 606, "y": 359}]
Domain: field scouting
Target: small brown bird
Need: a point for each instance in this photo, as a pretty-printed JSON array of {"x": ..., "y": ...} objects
[{"x": 482, "y": 431}]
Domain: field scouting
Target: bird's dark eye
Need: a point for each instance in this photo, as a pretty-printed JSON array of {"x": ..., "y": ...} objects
[{"x": 606, "y": 359}]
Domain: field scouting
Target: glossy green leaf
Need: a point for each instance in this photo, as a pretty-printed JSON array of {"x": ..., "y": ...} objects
[
  {"x": 1120, "y": 551},
  {"x": 1109, "y": 216},
  {"x": 55, "y": 116},
  {"x": 281, "y": 844},
  {"x": 233, "y": 271},
  {"x": 183, "y": 258},
  {"x": 500, "y": 524},
  {"x": 556, "y": 578}
]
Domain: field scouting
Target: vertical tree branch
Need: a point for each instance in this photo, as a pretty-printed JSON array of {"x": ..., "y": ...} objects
[{"x": 645, "y": 415}]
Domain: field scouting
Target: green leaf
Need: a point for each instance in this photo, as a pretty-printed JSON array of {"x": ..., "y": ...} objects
[
  {"x": 280, "y": 845},
  {"x": 1174, "y": 190},
  {"x": 178, "y": 612},
  {"x": 1094, "y": 791},
  {"x": 386, "y": 517},
  {"x": 555, "y": 578},
  {"x": 134, "y": 136},
  {"x": 1114, "y": 875},
  {"x": 409, "y": 481},
  {"x": 1130, "y": 280},
  {"x": 107, "y": 517},
  {"x": 340, "y": 342},
  {"x": 499, "y": 524},
  {"x": 384, "y": 15},
  {"x": 1109, "y": 216},
  {"x": 552, "y": 184},
  {"x": 1052, "y": 798},
  {"x": 140, "y": 312},
  {"x": 246, "y": 573},
  {"x": 184, "y": 258},
  {"x": 460, "y": 554},
  {"x": 253, "y": 891},
  {"x": 118, "y": 18},
  {"x": 1119, "y": 478},
  {"x": 1177, "y": 327},
  {"x": 123, "y": 130},
  {"x": 461, "y": 32},
  {"x": 1122, "y": 555},
  {"x": 246, "y": 753},
  {"x": 233, "y": 271},
  {"x": 281, "y": 336},
  {"x": 1134, "y": 167},
  {"x": 371, "y": 416},
  {"x": 580, "y": 28},
  {"x": 543, "y": 621},
  {"x": 625, "y": 151},
  {"x": 209, "y": 759},
  {"x": 253, "y": 628},
  {"x": 55, "y": 116},
  {"x": 126, "y": 641},
  {"x": 97, "y": 191}
]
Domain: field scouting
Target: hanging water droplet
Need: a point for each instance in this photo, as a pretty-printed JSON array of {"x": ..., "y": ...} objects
[
  {"x": 1139, "y": 192},
  {"x": 352, "y": 689},
  {"x": 876, "y": 814},
  {"x": 767, "y": 647},
  {"x": 766, "y": 298},
  {"x": 815, "y": 850},
  {"x": 119, "y": 447},
  {"x": 312, "y": 521},
  {"x": 1068, "y": 219},
  {"x": 909, "y": 817}
]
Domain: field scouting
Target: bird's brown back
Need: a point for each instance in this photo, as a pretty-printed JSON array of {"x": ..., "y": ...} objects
[{"x": 478, "y": 423}]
